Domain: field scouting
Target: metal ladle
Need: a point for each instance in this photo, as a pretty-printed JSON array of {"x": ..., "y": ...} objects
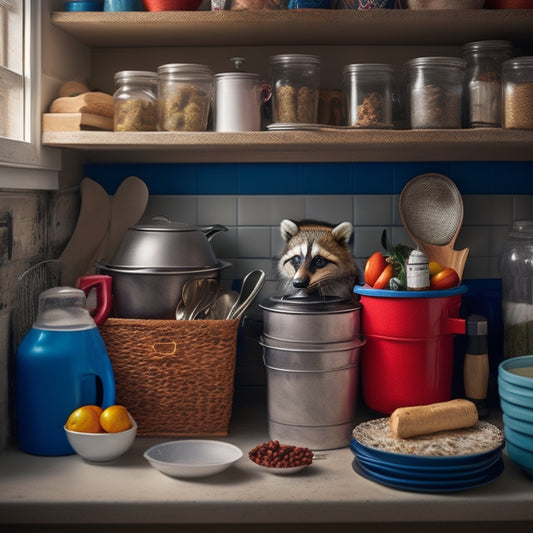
[{"x": 251, "y": 285}]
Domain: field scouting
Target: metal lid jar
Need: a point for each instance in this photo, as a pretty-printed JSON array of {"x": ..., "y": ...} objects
[
  {"x": 516, "y": 270},
  {"x": 518, "y": 93},
  {"x": 483, "y": 85},
  {"x": 135, "y": 101},
  {"x": 295, "y": 80},
  {"x": 435, "y": 90},
  {"x": 368, "y": 91},
  {"x": 184, "y": 99}
]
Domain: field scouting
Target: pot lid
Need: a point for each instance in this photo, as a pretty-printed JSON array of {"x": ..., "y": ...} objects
[
  {"x": 164, "y": 245},
  {"x": 302, "y": 302}
]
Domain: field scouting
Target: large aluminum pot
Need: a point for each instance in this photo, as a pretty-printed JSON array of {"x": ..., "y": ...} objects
[
  {"x": 311, "y": 318},
  {"x": 153, "y": 262}
]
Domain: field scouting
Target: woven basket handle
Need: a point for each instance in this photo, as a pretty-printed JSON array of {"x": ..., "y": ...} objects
[{"x": 165, "y": 348}]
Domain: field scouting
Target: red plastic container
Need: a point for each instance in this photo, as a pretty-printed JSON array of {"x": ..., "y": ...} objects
[{"x": 408, "y": 356}]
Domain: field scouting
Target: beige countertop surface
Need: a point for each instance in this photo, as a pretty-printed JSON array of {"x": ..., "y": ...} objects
[{"x": 67, "y": 490}]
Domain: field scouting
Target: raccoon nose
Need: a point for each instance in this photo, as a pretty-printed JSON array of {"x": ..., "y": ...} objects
[{"x": 301, "y": 283}]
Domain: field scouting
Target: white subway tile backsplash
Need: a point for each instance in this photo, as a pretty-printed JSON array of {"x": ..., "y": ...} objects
[
  {"x": 253, "y": 242},
  {"x": 175, "y": 208},
  {"x": 217, "y": 209},
  {"x": 487, "y": 209},
  {"x": 372, "y": 210},
  {"x": 332, "y": 209}
]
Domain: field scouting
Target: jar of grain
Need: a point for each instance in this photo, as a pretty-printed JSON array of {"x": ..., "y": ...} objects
[
  {"x": 483, "y": 86},
  {"x": 185, "y": 94},
  {"x": 518, "y": 93},
  {"x": 435, "y": 92},
  {"x": 135, "y": 101},
  {"x": 368, "y": 89},
  {"x": 516, "y": 270},
  {"x": 295, "y": 80}
]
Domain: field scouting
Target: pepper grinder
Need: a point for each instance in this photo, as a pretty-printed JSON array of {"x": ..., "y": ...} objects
[{"x": 476, "y": 363}]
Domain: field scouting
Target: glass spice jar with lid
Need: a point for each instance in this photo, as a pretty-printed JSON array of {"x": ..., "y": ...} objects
[
  {"x": 518, "y": 93},
  {"x": 135, "y": 101},
  {"x": 435, "y": 92},
  {"x": 185, "y": 91},
  {"x": 516, "y": 271},
  {"x": 368, "y": 89},
  {"x": 295, "y": 80},
  {"x": 483, "y": 82}
]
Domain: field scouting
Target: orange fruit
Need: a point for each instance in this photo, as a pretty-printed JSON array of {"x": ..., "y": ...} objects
[
  {"x": 434, "y": 268},
  {"x": 115, "y": 418},
  {"x": 85, "y": 420}
]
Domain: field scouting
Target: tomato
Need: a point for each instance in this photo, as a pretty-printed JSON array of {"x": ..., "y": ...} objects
[
  {"x": 375, "y": 265},
  {"x": 384, "y": 277},
  {"x": 445, "y": 279}
]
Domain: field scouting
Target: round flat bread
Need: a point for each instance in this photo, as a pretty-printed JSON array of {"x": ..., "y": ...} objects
[{"x": 481, "y": 437}]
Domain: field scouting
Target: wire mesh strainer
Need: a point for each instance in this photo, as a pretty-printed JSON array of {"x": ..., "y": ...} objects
[{"x": 431, "y": 209}]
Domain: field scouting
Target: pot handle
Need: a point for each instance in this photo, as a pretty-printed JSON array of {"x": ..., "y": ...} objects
[
  {"x": 102, "y": 284},
  {"x": 456, "y": 325},
  {"x": 211, "y": 231},
  {"x": 266, "y": 92}
]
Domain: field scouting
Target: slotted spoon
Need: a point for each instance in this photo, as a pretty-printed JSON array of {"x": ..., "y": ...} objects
[{"x": 431, "y": 209}]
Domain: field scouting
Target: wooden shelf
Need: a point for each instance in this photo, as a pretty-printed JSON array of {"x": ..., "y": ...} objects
[
  {"x": 288, "y": 27},
  {"x": 300, "y": 146}
]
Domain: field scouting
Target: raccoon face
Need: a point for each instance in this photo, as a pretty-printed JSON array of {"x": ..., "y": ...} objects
[
  {"x": 317, "y": 257},
  {"x": 310, "y": 266}
]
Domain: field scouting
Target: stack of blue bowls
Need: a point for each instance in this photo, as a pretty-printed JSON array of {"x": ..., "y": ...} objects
[{"x": 515, "y": 386}]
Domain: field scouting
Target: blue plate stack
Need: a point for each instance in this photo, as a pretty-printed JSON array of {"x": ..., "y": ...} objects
[
  {"x": 515, "y": 386},
  {"x": 422, "y": 473}
]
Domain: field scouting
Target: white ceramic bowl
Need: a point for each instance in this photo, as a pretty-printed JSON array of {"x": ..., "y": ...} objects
[
  {"x": 102, "y": 447},
  {"x": 192, "y": 458}
]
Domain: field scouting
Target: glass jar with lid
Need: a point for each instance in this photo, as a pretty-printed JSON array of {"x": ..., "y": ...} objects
[
  {"x": 483, "y": 82},
  {"x": 518, "y": 93},
  {"x": 185, "y": 91},
  {"x": 295, "y": 80},
  {"x": 435, "y": 92},
  {"x": 135, "y": 101},
  {"x": 516, "y": 270},
  {"x": 368, "y": 89}
]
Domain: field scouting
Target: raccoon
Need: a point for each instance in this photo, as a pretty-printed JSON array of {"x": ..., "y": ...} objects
[{"x": 316, "y": 257}]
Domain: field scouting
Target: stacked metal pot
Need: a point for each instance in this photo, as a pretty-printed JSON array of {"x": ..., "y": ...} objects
[{"x": 311, "y": 349}]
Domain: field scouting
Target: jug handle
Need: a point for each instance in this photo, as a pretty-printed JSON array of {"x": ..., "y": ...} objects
[
  {"x": 102, "y": 284},
  {"x": 211, "y": 231},
  {"x": 266, "y": 92}
]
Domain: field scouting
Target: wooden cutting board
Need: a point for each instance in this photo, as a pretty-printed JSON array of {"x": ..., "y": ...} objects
[
  {"x": 75, "y": 122},
  {"x": 94, "y": 103}
]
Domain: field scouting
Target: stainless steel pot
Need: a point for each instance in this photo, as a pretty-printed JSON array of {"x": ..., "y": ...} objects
[
  {"x": 153, "y": 262},
  {"x": 311, "y": 318}
]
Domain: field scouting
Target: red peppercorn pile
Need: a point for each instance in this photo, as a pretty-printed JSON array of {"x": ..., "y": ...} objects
[{"x": 276, "y": 455}]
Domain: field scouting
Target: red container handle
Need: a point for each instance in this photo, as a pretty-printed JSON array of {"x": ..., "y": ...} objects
[
  {"x": 102, "y": 284},
  {"x": 456, "y": 325}
]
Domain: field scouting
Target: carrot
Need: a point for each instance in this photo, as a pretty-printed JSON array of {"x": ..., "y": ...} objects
[{"x": 408, "y": 422}]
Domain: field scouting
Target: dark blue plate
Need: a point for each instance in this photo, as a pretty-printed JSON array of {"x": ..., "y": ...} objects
[
  {"x": 425, "y": 486},
  {"x": 422, "y": 461},
  {"x": 464, "y": 474}
]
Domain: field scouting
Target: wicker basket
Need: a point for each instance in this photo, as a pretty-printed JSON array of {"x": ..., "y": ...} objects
[{"x": 174, "y": 376}]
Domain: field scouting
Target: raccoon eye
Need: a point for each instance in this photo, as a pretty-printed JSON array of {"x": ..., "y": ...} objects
[
  {"x": 319, "y": 261},
  {"x": 296, "y": 261}
]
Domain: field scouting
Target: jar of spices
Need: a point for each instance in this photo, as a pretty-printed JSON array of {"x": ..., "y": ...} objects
[
  {"x": 516, "y": 271},
  {"x": 368, "y": 89},
  {"x": 417, "y": 271},
  {"x": 518, "y": 93},
  {"x": 135, "y": 101},
  {"x": 435, "y": 92},
  {"x": 184, "y": 99},
  {"x": 483, "y": 86},
  {"x": 295, "y": 80}
]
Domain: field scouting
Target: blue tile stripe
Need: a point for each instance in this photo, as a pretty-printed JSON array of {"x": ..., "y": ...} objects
[{"x": 514, "y": 177}]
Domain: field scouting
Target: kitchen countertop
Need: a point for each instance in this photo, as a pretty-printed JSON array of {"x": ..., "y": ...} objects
[{"x": 66, "y": 490}]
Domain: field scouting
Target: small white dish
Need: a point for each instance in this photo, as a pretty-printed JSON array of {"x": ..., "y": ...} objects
[
  {"x": 102, "y": 447},
  {"x": 282, "y": 471},
  {"x": 192, "y": 458}
]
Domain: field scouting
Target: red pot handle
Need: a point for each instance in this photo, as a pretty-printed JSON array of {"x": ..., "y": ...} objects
[
  {"x": 102, "y": 284},
  {"x": 456, "y": 325}
]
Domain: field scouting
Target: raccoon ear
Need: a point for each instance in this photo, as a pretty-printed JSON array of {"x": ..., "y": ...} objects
[
  {"x": 342, "y": 232},
  {"x": 288, "y": 229}
]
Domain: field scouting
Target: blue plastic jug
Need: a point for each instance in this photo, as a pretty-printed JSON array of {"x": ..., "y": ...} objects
[{"x": 61, "y": 364}]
